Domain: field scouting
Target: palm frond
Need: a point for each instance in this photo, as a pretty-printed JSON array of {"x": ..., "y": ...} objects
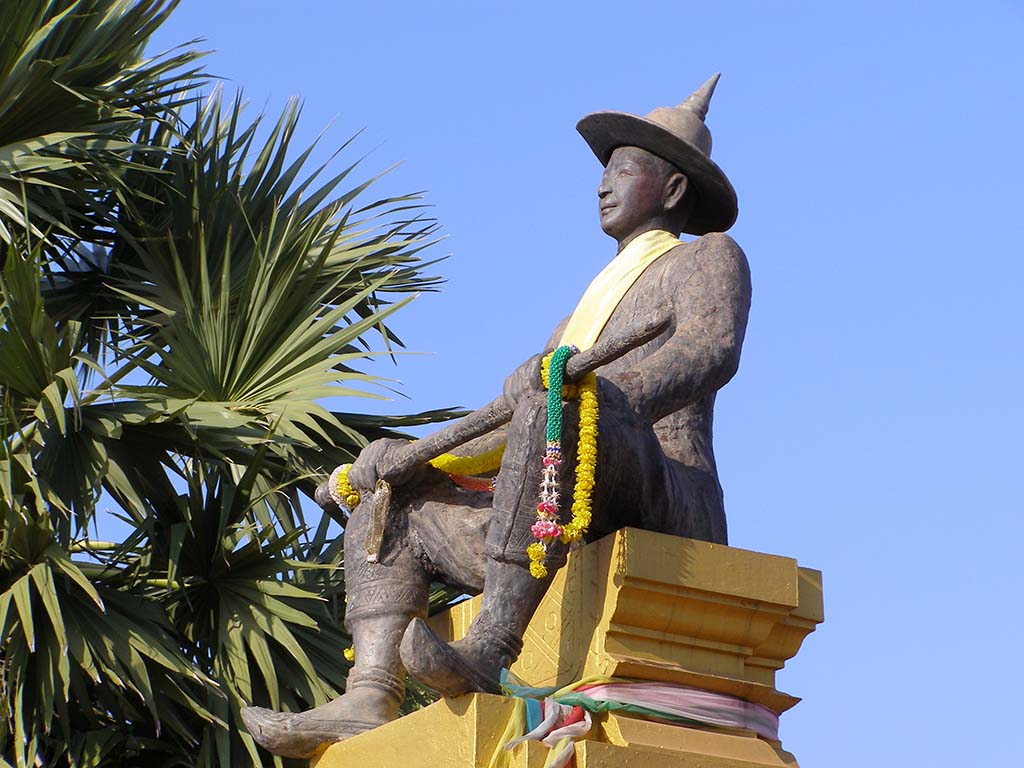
[
  {"x": 81, "y": 655},
  {"x": 75, "y": 89}
]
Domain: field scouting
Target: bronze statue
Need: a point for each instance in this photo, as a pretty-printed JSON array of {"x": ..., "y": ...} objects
[{"x": 655, "y": 466}]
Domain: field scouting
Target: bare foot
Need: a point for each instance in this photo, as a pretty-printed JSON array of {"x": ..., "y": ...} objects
[{"x": 303, "y": 734}]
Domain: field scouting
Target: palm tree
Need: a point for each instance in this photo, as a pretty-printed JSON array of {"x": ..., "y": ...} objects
[{"x": 178, "y": 298}]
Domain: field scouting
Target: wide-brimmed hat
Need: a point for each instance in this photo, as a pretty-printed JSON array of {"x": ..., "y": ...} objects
[{"x": 679, "y": 135}]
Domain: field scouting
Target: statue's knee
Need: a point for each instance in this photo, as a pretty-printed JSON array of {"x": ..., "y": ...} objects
[
  {"x": 358, "y": 530},
  {"x": 357, "y": 518},
  {"x": 514, "y": 553},
  {"x": 530, "y": 415}
]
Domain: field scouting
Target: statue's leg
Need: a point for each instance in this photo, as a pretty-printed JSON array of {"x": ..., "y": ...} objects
[
  {"x": 633, "y": 484},
  {"x": 511, "y": 593},
  {"x": 382, "y": 598}
]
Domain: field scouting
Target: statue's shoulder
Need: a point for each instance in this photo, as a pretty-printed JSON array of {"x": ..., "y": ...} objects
[
  {"x": 715, "y": 251},
  {"x": 717, "y": 245}
]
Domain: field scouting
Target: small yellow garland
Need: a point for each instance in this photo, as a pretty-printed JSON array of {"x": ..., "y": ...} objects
[
  {"x": 469, "y": 465},
  {"x": 537, "y": 552},
  {"x": 344, "y": 495}
]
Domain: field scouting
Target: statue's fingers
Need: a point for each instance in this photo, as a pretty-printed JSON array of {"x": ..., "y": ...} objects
[{"x": 363, "y": 476}]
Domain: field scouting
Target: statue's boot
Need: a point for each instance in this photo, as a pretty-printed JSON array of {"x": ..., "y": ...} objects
[
  {"x": 374, "y": 691},
  {"x": 382, "y": 598},
  {"x": 493, "y": 641}
]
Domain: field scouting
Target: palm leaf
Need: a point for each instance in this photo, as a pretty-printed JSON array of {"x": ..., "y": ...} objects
[
  {"x": 74, "y": 91},
  {"x": 81, "y": 654}
]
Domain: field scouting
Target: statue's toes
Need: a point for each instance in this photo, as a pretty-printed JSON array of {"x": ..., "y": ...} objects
[
  {"x": 293, "y": 735},
  {"x": 255, "y": 718},
  {"x": 449, "y": 671},
  {"x": 274, "y": 732}
]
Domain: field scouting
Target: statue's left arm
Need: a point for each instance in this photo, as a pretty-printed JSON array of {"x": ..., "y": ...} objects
[{"x": 709, "y": 313}]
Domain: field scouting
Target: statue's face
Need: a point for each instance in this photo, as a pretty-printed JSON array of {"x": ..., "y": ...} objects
[{"x": 632, "y": 191}]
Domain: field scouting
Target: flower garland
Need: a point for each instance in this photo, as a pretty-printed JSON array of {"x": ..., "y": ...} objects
[
  {"x": 470, "y": 483},
  {"x": 469, "y": 465},
  {"x": 547, "y": 528},
  {"x": 343, "y": 494},
  {"x": 586, "y": 461}
]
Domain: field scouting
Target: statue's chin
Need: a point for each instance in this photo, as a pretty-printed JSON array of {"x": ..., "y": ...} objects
[{"x": 611, "y": 232}]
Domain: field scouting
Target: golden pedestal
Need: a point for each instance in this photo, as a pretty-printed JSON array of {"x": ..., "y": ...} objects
[{"x": 635, "y": 605}]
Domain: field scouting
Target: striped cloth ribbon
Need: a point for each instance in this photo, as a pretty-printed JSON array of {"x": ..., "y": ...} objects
[{"x": 557, "y": 717}]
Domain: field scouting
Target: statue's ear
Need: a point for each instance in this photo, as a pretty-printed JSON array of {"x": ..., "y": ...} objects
[{"x": 675, "y": 190}]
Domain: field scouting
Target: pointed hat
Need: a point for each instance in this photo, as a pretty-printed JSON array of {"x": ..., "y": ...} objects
[{"x": 679, "y": 135}]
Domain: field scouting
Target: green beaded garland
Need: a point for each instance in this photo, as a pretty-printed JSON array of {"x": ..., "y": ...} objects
[{"x": 556, "y": 373}]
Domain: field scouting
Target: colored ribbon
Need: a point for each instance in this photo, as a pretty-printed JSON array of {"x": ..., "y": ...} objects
[{"x": 558, "y": 717}]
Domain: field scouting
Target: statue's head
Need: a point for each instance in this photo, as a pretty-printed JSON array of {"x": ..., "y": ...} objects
[
  {"x": 640, "y": 191},
  {"x": 658, "y": 170}
]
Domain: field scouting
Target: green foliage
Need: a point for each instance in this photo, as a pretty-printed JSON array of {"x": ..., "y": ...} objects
[
  {"x": 178, "y": 298},
  {"x": 74, "y": 87}
]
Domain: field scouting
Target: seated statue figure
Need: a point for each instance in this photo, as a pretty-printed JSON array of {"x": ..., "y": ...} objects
[{"x": 655, "y": 468}]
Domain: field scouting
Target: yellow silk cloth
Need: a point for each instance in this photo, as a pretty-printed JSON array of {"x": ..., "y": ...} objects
[{"x": 607, "y": 289}]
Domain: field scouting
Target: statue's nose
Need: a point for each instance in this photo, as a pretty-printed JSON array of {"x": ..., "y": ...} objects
[{"x": 603, "y": 192}]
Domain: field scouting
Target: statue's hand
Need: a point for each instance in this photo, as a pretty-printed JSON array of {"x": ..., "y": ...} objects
[
  {"x": 523, "y": 381},
  {"x": 376, "y": 461}
]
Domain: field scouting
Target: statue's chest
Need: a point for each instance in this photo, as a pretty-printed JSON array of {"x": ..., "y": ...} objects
[{"x": 656, "y": 293}]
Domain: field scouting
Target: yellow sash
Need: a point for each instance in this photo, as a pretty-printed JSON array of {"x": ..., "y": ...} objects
[
  {"x": 607, "y": 289},
  {"x": 586, "y": 323}
]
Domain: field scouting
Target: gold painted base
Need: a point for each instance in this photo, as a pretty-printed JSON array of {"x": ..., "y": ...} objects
[
  {"x": 637, "y": 605},
  {"x": 466, "y": 732},
  {"x": 452, "y": 733}
]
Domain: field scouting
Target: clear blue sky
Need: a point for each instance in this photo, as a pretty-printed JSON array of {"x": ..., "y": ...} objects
[{"x": 874, "y": 428}]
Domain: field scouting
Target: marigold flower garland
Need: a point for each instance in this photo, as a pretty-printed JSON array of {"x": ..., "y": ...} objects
[
  {"x": 344, "y": 495},
  {"x": 463, "y": 469},
  {"x": 469, "y": 465},
  {"x": 547, "y": 528}
]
